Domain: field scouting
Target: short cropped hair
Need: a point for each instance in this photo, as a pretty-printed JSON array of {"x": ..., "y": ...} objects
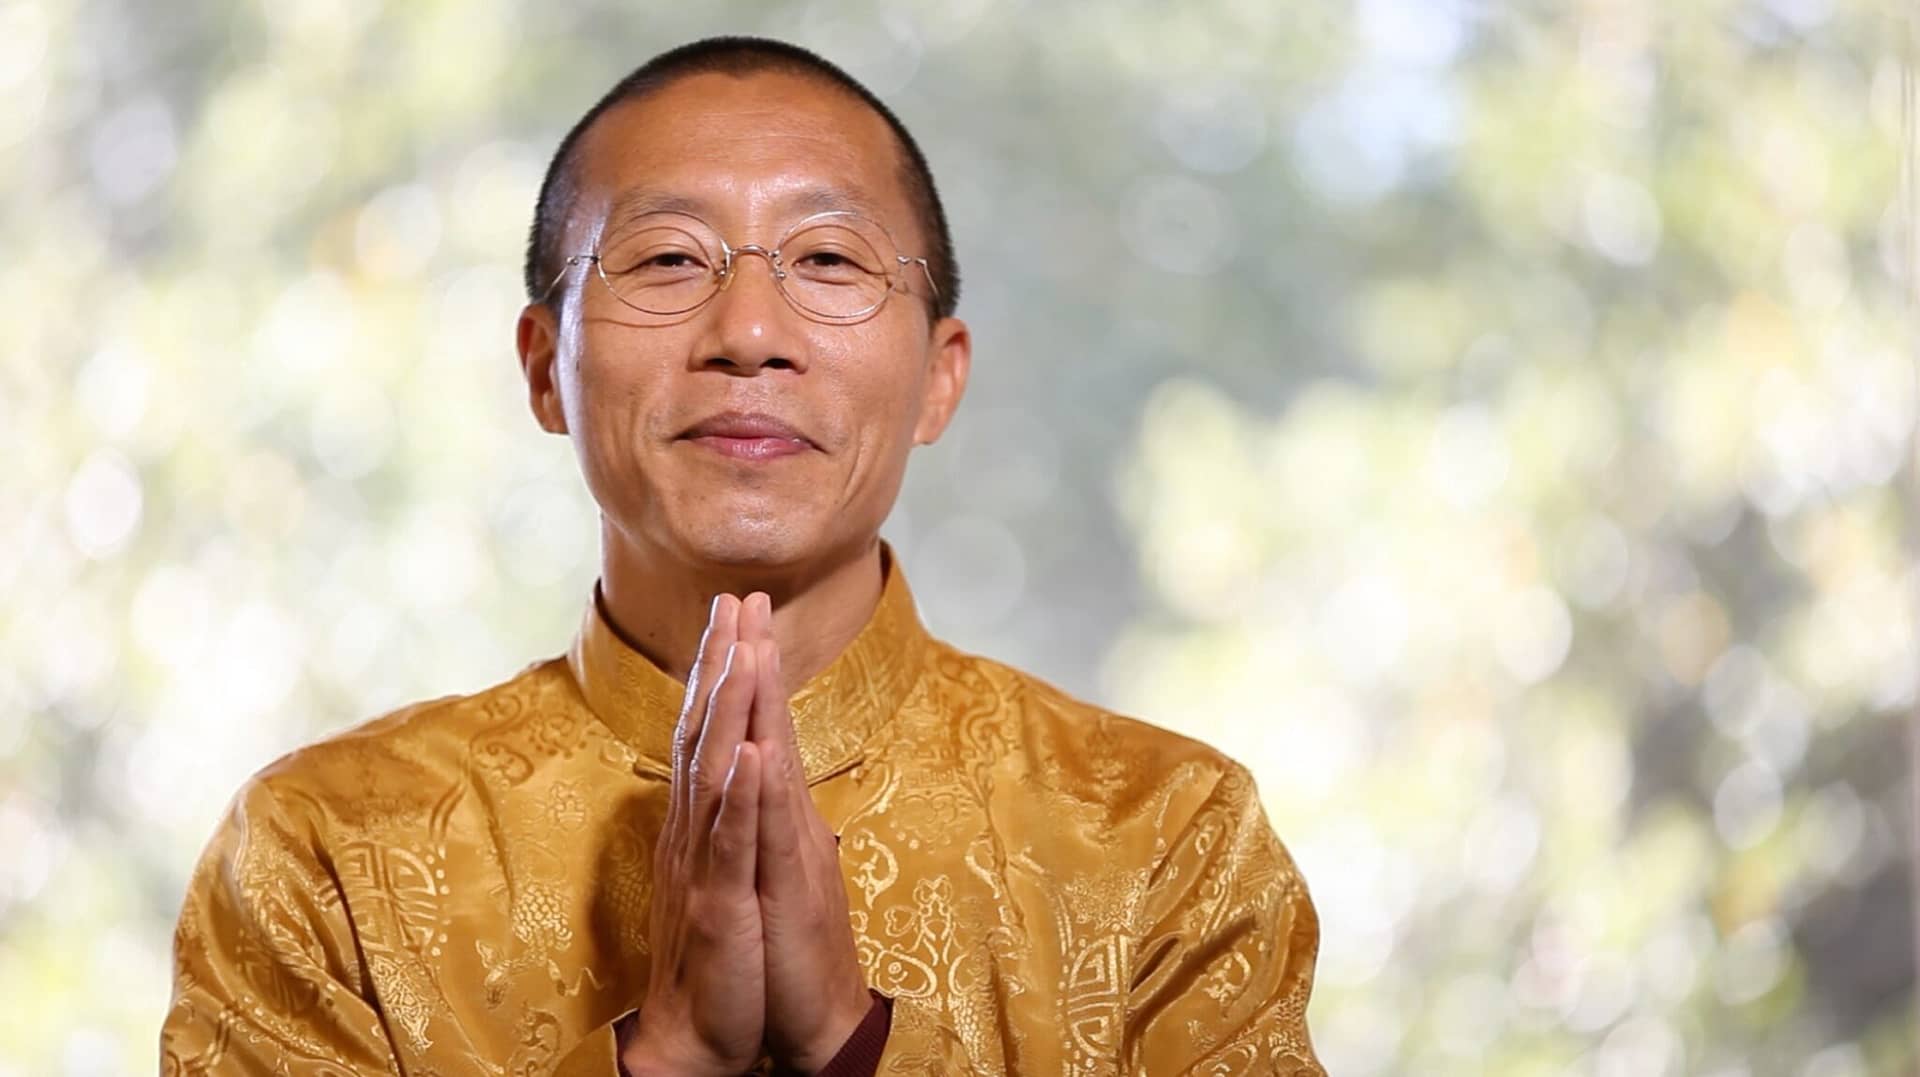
[{"x": 738, "y": 57}]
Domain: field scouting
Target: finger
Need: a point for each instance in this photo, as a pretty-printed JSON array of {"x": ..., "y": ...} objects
[
  {"x": 708, "y": 665},
  {"x": 780, "y": 870},
  {"x": 782, "y": 820},
  {"x": 756, "y": 617},
  {"x": 723, "y": 626},
  {"x": 782, "y": 765},
  {"x": 723, "y": 730},
  {"x": 731, "y": 851},
  {"x": 772, "y": 718}
]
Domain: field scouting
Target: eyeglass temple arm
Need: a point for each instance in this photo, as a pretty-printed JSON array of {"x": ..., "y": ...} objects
[
  {"x": 567, "y": 266},
  {"x": 905, "y": 259}
]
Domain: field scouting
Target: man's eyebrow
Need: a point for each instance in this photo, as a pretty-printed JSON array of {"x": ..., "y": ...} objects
[{"x": 639, "y": 202}]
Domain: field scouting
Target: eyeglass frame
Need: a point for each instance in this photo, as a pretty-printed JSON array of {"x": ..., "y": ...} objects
[{"x": 772, "y": 255}]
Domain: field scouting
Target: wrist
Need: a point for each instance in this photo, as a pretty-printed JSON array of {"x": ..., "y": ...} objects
[
  {"x": 834, "y": 1034},
  {"x": 647, "y": 1057},
  {"x": 637, "y": 1062}
]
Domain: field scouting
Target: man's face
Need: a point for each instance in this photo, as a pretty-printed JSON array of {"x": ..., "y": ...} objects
[{"x": 671, "y": 417}]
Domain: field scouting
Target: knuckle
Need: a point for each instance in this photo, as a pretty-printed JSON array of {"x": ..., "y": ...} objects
[
  {"x": 712, "y": 921},
  {"x": 699, "y": 921},
  {"x": 727, "y": 842},
  {"x": 702, "y": 780}
]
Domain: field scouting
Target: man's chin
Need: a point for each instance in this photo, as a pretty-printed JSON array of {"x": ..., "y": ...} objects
[
  {"x": 746, "y": 543},
  {"x": 746, "y": 532}
]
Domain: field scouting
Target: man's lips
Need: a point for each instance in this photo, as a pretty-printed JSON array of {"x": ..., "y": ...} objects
[{"x": 748, "y": 436}]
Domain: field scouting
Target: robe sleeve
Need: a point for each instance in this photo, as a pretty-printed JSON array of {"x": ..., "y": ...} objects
[
  {"x": 860, "y": 1055},
  {"x": 1222, "y": 974},
  {"x": 267, "y": 977},
  {"x": 921, "y": 1044}
]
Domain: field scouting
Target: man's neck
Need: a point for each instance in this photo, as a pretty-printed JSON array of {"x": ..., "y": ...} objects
[{"x": 660, "y": 608}]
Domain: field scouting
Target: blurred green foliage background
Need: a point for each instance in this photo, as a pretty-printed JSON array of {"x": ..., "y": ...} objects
[{"x": 1491, "y": 421}]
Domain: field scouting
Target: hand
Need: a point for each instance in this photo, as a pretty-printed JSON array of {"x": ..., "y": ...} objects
[
  {"x": 816, "y": 993},
  {"x": 705, "y": 1007}
]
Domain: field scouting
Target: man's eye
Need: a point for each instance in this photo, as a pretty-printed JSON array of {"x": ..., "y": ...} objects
[
  {"x": 830, "y": 265},
  {"x": 657, "y": 264}
]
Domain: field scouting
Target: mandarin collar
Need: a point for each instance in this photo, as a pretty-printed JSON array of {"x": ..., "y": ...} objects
[{"x": 835, "y": 713}]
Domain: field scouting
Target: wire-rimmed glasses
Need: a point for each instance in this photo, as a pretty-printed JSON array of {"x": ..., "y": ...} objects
[{"x": 836, "y": 267}]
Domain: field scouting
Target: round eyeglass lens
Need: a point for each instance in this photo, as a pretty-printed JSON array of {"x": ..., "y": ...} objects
[
  {"x": 836, "y": 266},
  {"x": 663, "y": 264}
]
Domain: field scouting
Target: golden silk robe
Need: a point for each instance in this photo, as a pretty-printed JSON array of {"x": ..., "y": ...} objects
[{"x": 461, "y": 887}]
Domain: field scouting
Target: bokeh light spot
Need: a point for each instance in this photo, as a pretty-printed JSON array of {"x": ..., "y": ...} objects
[
  {"x": 1212, "y": 127},
  {"x": 1180, "y": 225},
  {"x": 1532, "y": 633},
  {"x": 103, "y": 502},
  {"x": 134, "y": 151}
]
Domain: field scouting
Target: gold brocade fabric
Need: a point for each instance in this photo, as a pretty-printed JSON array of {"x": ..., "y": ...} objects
[{"x": 462, "y": 887}]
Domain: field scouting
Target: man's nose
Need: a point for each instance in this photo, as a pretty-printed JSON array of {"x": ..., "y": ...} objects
[{"x": 752, "y": 327}]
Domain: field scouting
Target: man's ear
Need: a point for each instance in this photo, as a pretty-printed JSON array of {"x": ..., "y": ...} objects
[
  {"x": 538, "y": 337},
  {"x": 950, "y": 359}
]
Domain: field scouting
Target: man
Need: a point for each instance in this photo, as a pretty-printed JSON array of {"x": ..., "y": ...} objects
[{"x": 724, "y": 832}]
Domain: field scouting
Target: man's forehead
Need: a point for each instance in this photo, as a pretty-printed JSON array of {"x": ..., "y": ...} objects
[{"x": 712, "y": 144}]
